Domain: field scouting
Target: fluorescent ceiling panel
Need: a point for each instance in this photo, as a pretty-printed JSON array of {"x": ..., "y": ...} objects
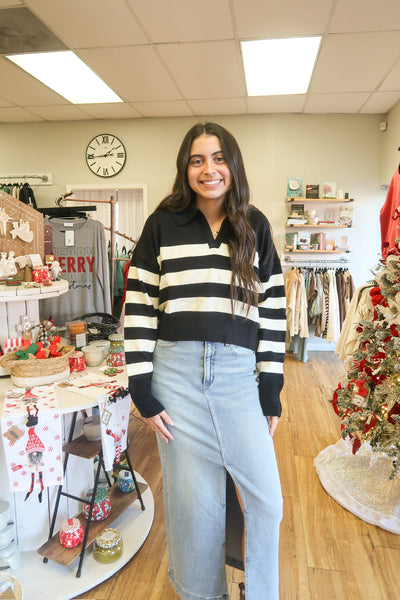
[
  {"x": 279, "y": 66},
  {"x": 67, "y": 75}
]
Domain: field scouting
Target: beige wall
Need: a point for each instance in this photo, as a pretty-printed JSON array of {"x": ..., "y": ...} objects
[
  {"x": 347, "y": 149},
  {"x": 390, "y": 153}
]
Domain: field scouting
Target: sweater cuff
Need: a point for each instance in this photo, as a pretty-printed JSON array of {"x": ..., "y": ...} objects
[
  {"x": 140, "y": 391},
  {"x": 269, "y": 387}
]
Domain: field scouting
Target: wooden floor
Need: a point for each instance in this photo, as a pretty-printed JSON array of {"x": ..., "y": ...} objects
[{"x": 326, "y": 553}]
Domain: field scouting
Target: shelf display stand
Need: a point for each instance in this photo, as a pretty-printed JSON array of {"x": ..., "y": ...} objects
[{"x": 83, "y": 448}]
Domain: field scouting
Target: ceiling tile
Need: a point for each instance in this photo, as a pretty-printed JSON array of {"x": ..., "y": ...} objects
[
  {"x": 15, "y": 114},
  {"x": 354, "y": 63},
  {"x": 177, "y": 108},
  {"x": 276, "y": 104},
  {"x": 21, "y": 88},
  {"x": 90, "y": 23},
  {"x": 22, "y": 31},
  {"x": 4, "y": 102},
  {"x": 117, "y": 110},
  {"x": 392, "y": 81},
  {"x": 135, "y": 73},
  {"x": 204, "y": 70},
  {"x": 66, "y": 112},
  {"x": 380, "y": 102},
  {"x": 261, "y": 19},
  {"x": 335, "y": 103},
  {"x": 186, "y": 21},
  {"x": 219, "y": 106},
  {"x": 350, "y": 16}
]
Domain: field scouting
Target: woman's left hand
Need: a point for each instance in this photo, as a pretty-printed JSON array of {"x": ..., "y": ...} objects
[{"x": 272, "y": 422}]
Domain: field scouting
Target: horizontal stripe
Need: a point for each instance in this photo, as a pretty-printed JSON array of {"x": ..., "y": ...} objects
[
  {"x": 144, "y": 345},
  {"x": 270, "y": 367},
  {"x": 141, "y": 298},
  {"x": 140, "y": 321},
  {"x": 133, "y": 369},
  {"x": 199, "y": 276},
  {"x": 270, "y": 346},
  {"x": 276, "y": 303},
  {"x": 219, "y": 305},
  {"x": 273, "y": 324},
  {"x": 187, "y": 250}
]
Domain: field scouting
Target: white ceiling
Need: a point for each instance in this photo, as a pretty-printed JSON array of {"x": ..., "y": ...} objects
[{"x": 182, "y": 57}]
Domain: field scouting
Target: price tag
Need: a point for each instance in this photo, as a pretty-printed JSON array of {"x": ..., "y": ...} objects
[{"x": 69, "y": 238}]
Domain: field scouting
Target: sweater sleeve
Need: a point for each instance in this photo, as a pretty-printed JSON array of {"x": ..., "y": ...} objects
[
  {"x": 272, "y": 322},
  {"x": 141, "y": 321}
]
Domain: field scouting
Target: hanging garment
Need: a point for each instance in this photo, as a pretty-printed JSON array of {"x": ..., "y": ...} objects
[
  {"x": 80, "y": 247},
  {"x": 27, "y": 196},
  {"x": 390, "y": 216},
  {"x": 360, "y": 309}
]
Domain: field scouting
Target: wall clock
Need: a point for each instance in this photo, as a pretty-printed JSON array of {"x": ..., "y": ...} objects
[{"x": 105, "y": 155}]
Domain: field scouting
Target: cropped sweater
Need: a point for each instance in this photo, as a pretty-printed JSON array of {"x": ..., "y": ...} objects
[{"x": 178, "y": 289}]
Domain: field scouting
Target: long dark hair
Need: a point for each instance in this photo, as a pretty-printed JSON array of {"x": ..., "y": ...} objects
[{"x": 242, "y": 240}]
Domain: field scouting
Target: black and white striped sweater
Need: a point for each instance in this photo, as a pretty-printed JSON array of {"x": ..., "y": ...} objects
[{"x": 179, "y": 289}]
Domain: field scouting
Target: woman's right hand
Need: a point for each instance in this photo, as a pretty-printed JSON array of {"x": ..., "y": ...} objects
[{"x": 157, "y": 423}]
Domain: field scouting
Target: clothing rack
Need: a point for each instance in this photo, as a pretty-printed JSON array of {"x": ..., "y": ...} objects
[
  {"x": 43, "y": 178},
  {"x": 339, "y": 262}
]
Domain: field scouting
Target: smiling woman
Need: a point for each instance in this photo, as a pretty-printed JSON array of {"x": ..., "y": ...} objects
[{"x": 205, "y": 340}]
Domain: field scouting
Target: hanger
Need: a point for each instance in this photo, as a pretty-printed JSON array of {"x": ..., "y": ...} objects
[{"x": 67, "y": 212}]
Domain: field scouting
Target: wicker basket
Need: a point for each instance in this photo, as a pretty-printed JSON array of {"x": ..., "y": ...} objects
[
  {"x": 99, "y": 325},
  {"x": 35, "y": 371}
]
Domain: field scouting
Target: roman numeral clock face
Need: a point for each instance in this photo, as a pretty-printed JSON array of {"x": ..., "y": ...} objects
[{"x": 105, "y": 155}]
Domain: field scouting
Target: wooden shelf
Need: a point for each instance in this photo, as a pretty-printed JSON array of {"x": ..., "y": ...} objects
[
  {"x": 82, "y": 447},
  {"x": 299, "y": 199},
  {"x": 120, "y": 501}
]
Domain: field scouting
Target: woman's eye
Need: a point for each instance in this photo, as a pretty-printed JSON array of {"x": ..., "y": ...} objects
[
  {"x": 196, "y": 162},
  {"x": 220, "y": 159}
]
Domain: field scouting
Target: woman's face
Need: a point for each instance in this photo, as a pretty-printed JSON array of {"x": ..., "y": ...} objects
[{"x": 208, "y": 172}]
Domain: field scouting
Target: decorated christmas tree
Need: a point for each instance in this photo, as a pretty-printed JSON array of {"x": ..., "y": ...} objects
[{"x": 368, "y": 401}]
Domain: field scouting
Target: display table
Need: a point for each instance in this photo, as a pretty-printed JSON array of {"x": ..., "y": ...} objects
[
  {"x": 361, "y": 483},
  {"x": 40, "y": 579}
]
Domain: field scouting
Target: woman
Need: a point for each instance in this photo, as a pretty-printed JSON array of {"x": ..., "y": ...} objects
[{"x": 204, "y": 340}]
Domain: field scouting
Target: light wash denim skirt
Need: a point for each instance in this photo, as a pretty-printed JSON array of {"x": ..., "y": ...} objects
[{"x": 210, "y": 391}]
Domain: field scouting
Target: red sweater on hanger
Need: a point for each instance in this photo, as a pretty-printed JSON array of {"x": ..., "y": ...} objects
[{"x": 390, "y": 215}]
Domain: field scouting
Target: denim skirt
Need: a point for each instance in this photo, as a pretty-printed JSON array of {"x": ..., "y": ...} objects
[{"x": 210, "y": 391}]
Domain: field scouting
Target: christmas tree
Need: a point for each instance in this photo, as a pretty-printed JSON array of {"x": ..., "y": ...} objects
[{"x": 368, "y": 401}]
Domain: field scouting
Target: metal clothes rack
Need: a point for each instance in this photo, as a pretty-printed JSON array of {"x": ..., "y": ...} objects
[
  {"x": 338, "y": 262},
  {"x": 43, "y": 178}
]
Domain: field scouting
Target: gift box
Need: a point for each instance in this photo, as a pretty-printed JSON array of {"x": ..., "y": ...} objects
[{"x": 41, "y": 275}]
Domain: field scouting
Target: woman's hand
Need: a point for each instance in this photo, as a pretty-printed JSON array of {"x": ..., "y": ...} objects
[
  {"x": 157, "y": 423},
  {"x": 272, "y": 422}
]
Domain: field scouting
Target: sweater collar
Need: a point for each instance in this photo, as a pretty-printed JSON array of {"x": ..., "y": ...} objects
[{"x": 187, "y": 215}]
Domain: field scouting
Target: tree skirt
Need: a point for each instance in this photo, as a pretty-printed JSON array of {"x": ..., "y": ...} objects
[{"x": 361, "y": 484}]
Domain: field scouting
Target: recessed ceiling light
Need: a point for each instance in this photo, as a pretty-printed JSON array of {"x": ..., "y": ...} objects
[
  {"x": 279, "y": 66},
  {"x": 67, "y": 75}
]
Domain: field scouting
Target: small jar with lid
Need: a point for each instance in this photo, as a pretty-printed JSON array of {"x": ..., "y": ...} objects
[
  {"x": 101, "y": 506},
  {"x": 108, "y": 546},
  {"x": 116, "y": 351},
  {"x": 71, "y": 533}
]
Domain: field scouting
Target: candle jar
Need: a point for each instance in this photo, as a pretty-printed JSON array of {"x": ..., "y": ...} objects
[
  {"x": 101, "y": 507},
  {"x": 116, "y": 352},
  {"x": 108, "y": 546},
  {"x": 77, "y": 361},
  {"x": 125, "y": 481},
  {"x": 71, "y": 533}
]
